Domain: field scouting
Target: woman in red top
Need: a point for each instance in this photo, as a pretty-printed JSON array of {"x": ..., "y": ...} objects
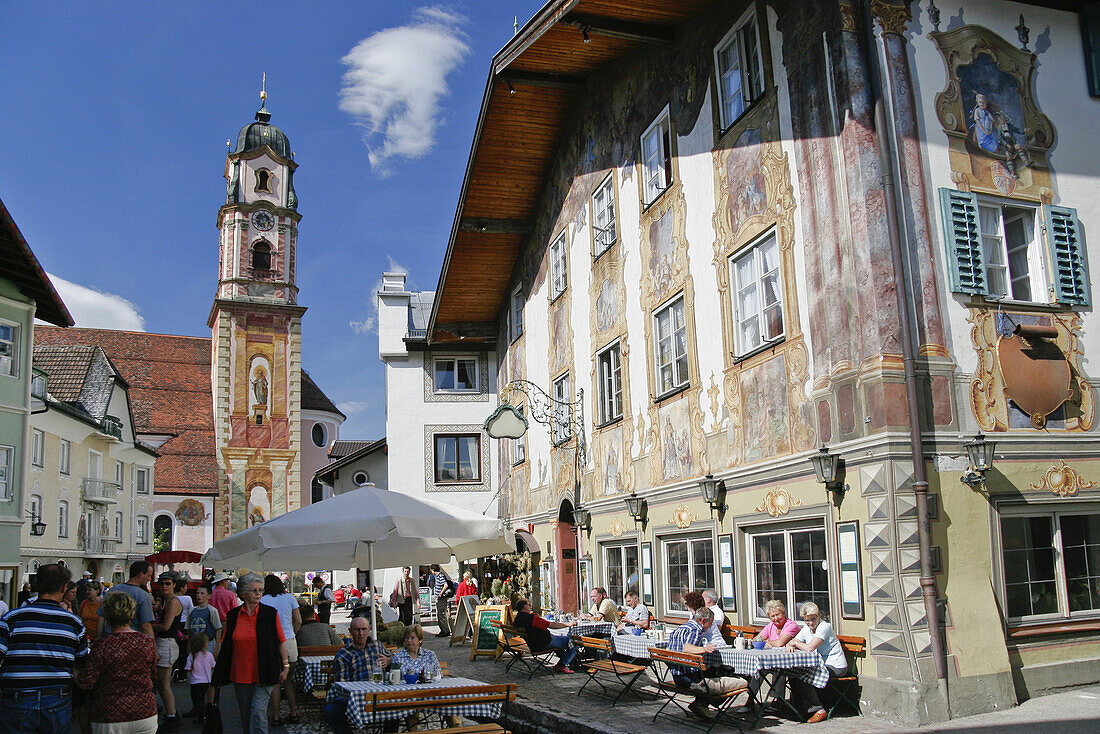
[
  {"x": 468, "y": 585},
  {"x": 120, "y": 673}
]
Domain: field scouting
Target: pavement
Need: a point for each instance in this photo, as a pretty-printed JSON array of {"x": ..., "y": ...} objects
[{"x": 550, "y": 704}]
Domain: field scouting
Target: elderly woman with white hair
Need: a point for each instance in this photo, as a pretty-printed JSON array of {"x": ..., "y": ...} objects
[
  {"x": 817, "y": 636},
  {"x": 253, "y": 655}
]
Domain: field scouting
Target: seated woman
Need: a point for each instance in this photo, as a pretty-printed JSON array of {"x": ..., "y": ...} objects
[
  {"x": 536, "y": 631},
  {"x": 777, "y": 633},
  {"x": 411, "y": 658},
  {"x": 816, "y": 635}
]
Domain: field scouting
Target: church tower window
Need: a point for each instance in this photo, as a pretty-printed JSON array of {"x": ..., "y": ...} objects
[
  {"x": 263, "y": 181},
  {"x": 261, "y": 256}
]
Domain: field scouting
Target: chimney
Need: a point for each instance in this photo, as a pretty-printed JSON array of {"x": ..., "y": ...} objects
[{"x": 393, "y": 282}]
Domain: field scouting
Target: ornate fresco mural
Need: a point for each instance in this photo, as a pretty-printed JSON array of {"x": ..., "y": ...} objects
[{"x": 998, "y": 138}]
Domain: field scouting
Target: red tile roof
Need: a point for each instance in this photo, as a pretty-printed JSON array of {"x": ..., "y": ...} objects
[{"x": 170, "y": 393}]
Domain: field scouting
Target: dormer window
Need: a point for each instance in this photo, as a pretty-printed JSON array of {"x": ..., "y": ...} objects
[
  {"x": 263, "y": 181},
  {"x": 261, "y": 256}
]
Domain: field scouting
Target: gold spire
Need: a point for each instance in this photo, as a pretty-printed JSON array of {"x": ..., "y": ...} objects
[{"x": 263, "y": 88}]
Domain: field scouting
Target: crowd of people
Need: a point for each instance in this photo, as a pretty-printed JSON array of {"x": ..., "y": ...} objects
[{"x": 73, "y": 652}]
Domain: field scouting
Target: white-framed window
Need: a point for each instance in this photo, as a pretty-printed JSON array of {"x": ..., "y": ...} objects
[
  {"x": 119, "y": 474},
  {"x": 656, "y": 158},
  {"x": 7, "y": 471},
  {"x": 1013, "y": 256},
  {"x": 39, "y": 386},
  {"x": 456, "y": 374},
  {"x": 789, "y": 564},
  {"x": 118, "y": 526},
  {"x": 610, "y": 373},
  {"x": 757, "y": 295},
  {"x": 515, "y": 323},
  {"x": 621, "y": 564},
  {"x": 457, "y": 458},
  {"x": 1050, "y": 562},
  {"x": 64, "y": 456},
  {"x": 95, "y": 464},
  {"x": 9, "y": 349},
  {"x": 35, "y": 509},
  {"x": 739, "y": 70},
  {"x": 141, "y": 480},
  {"x": 38, "y": 447},
  {"x": 142, "y": 529},
  {"x": 62, "y": 519},
  {"x": 670, "y": 350},
  {"x": 519, "y": 445},
  {"x": 559, "y": 266},
  {"x": 689, "y": 566},
  {"x": 604, "y": 229},
  {"x": 562, "y": 430}
]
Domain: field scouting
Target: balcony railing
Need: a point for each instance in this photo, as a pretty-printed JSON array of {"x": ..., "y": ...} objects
[
  {"x": 100, "y": 546},
  {"x": 416, "y": 334},
  {"x": 101, "y": 490},
  {"x": 112, "y": 427}
]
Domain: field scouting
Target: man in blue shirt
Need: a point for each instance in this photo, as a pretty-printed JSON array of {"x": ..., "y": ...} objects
[
  {"x": 39, "y": 644},
  {"x": 442, "y": 590},
  {"x": 691, "y": 637},
  {"x": 141, "y": 572},
  {"x": 355, "y": 662}
]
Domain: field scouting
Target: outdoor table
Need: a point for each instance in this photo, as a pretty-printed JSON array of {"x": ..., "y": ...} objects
[
  {"x": 309, "y": 671},
  {"x": 769, "y": 664},
  {"x": 635, "y": 646},
  {"x": 358, "y": 695},
  {"x": 593, "y": 629}
]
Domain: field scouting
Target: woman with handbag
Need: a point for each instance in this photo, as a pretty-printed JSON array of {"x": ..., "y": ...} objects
[
  {"x": 404, "y": 596},
  {"x": 252, "y": 656}
]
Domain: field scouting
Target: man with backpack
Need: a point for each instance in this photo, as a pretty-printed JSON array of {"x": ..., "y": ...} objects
[{"x": 443, "y": 588}]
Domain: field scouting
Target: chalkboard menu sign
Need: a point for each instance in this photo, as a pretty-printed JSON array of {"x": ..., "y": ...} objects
[{"x": 486, "y": 637}]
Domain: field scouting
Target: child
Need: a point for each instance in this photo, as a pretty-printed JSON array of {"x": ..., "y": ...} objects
[
  {"x": 204, "y": 619},
  {"x": 201, "y": 664}
]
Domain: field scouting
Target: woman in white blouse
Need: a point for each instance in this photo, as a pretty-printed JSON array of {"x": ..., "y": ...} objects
[{"x": 817, "y": 636}]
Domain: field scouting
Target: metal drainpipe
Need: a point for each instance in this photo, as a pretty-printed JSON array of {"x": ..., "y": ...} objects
[{"x": 920, "y": 475}]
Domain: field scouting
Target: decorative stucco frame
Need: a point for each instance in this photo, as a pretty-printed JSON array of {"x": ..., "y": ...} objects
[{"x": 430, "y": 484}]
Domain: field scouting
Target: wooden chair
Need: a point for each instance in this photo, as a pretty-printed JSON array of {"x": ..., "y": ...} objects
[
  {"x": 847, "y": 685},
  {"x": 729, "y": 631},
  {"x": 415, "y": 703},
  {"x": 443, "y": 668},
  {"x": 518, "y": 651},
  {"x": 320, "y": 691},
  {"x": 626, "y": 673},
  {"x": 671, "y": 661}
]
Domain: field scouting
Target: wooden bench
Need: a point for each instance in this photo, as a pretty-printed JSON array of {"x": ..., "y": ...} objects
[
  {"x": 319, "y": 650},
  {"x": 692, "y": 664},
  {"x": 414, "y": 702},
  {"x": 517, "y": 649},
  {"x": 729, "y": 631},
  {"x": 855, "y": 648},
  {"x": 626, "y": 673}
]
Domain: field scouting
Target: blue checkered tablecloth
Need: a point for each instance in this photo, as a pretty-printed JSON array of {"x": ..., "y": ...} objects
[
  {"x": 593, "y": 629},
  {"x": 635, "y": 646},
  {"x": 359, "y": 696},
  {"x": 309, "y": 672},
  {"x": 807, "y": 666}
]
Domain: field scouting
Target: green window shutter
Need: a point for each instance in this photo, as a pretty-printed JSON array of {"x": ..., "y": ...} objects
[
  {"x": 963, "y": 239},
  {"x": 1067, "y": 256}
]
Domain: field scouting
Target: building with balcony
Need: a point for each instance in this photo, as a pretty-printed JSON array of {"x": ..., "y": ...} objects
[
  {"x": 91, "y": 479},
  {"x": 26, "y": 294},
  {"x": 750, "y": 230}
]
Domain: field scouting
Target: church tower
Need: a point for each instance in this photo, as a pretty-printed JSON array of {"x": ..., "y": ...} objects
[{"x": 256, "y": 322}]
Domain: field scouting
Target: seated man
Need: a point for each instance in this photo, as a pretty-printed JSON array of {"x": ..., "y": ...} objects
[
  {"x": 710, "y": 599},
  {"x": 312, "y": 633},
  {"x": 691, "y": 637},
  {"x": 636, "y": 620},
  {"x": 538, "y": 638},
  {"x": 355, "y": 662},
  {"x": 603, "y": 609}
]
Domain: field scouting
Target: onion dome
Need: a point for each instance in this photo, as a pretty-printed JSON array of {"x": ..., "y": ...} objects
[{"x": 255, "y": 135}]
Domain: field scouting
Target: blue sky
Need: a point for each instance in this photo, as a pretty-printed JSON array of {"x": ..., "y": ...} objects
[{"x": 112, "y": 154}]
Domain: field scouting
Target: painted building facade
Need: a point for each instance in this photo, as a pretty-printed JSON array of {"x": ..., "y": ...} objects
[
  {"x": 750, "y": 229},
  {"x": 91, "y": 479},
  {"x": 256, "y": 349},
  {"x": 26, "y": 294}
]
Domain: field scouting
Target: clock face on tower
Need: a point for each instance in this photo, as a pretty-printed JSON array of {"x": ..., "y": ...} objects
[{"x": 263, "y": 221}]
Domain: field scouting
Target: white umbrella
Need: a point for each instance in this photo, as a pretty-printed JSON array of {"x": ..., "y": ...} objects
[{"x": 364, "y": 527}]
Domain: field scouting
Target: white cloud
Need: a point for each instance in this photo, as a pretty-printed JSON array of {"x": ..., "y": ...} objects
[
  {"x": 369, "y": 323},
  {"x": 96, "y": 309},
  {"x": 396, "y": 79},
  {"x": 353, "y": 407}
]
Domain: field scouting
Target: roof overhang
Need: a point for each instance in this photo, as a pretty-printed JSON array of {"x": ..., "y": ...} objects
[
  {"x": 527, "y": 101},
  {"x": 22, "y": 268}
]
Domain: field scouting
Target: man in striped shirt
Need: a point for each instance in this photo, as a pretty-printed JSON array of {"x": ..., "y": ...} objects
[{"x": 39, "y": 644}]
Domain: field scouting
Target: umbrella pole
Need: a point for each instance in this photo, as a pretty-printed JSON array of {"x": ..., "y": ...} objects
[{"x": 370, "y": 589}]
